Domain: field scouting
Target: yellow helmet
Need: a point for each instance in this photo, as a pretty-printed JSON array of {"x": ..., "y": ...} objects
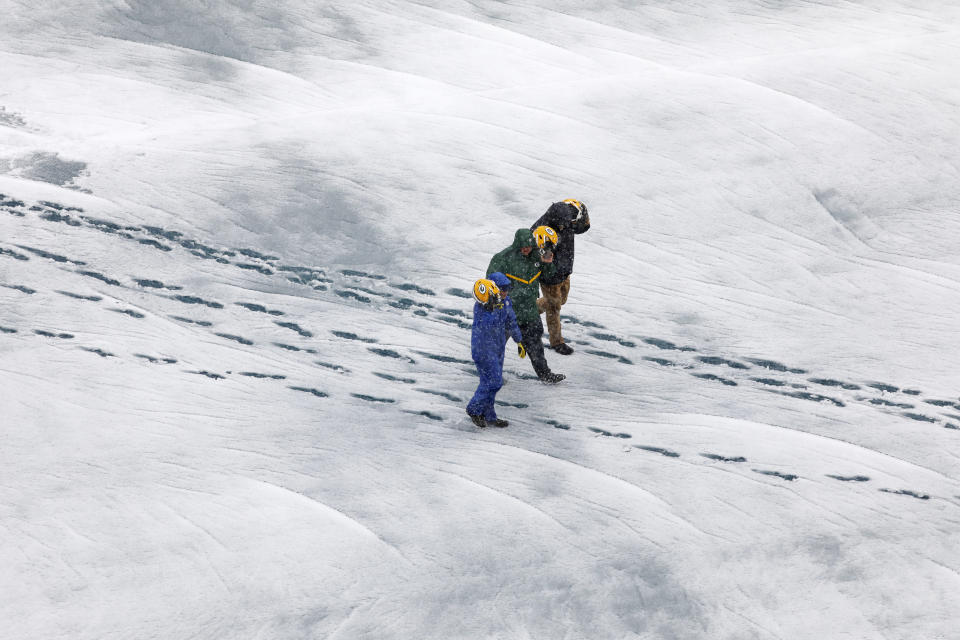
[
  {"x": 487, "y": 293},
  {"x": 579, "y": 206},
  {"x": 545, "y": 237}
]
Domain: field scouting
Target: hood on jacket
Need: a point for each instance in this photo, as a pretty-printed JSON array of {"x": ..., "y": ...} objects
[
  {"x": 523, "y": 238},
  {"x": 502, "y": 281},
  {"x": 560, "y": 215}
]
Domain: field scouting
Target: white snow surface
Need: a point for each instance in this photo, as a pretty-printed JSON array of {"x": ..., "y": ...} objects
[{"x": 235, "y": 241}]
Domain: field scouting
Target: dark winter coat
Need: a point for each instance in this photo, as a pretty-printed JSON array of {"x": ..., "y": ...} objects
[
  {"x": 560, "y": 217},
  {"x": 525, "y": 272}
]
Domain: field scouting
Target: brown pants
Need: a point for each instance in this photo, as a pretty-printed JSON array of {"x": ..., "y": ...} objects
[{"x": 554, "y": 297}]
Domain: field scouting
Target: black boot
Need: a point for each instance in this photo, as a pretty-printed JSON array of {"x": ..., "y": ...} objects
[
  {"x": 563, "y": 349},
  {"x": 478, "y": 420},
  {"x": 552, "y": 378},
  {"x": 499, "y": 423}
]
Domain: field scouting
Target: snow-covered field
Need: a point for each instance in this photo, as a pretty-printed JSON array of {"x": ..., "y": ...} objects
[{"x": 236, "y": 241}]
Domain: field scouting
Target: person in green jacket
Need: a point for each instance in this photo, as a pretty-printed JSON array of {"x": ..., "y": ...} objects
[{"x": 524, "y": 264}]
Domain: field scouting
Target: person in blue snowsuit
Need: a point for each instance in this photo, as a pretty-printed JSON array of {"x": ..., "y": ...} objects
[{"x": 493, "y": 321}]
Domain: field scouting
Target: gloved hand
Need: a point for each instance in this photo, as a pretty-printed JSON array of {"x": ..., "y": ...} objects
[{"x": 521, "y": 350}]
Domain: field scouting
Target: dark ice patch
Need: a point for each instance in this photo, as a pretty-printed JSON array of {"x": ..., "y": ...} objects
[
  {"x": 156, "y": 360},
  {"x": 459, "y": 293},
  {"x": 919, "y": 417},
  {"x": 421, "y": 290},
  {"x": 710, "y": 376},
  {"x": 49, "y": 167},
  {"x": 442, "y": 358},
  {"x": 202, "y": 323},
  {"x": 722, "y": 361},
  {"x": 271, "y": 376},
  {"x": 906, "y": 492},
  {"x": 830, "y": 382},
  {"x": 719, "y": 458},
  {"x": 99, "y": 352},
  {"x": 660, "y": 450},
  {"x": 208, "y": 374},
  {"x": 196, "y": 300},
  {"x": 849, "y": 478},
  {"x": 442, "y": 394},
  {"x": 230, "y": 336},
  {"x": 347, "y": 335},
  {"x": 129, "y": 312},
  {"x": 776, "y": 474},
  {"x": 609, "y": 434},
  {"x": 387, "y": 376},
  {"x": 663, "y": 362},
  {"x": 293, "y": 326},
  {"x": 311, "y": 391},
  {"x": 13, "y": 254},
  {"x": 773, "y": 365},
  {"x": 364, "y": 396}
]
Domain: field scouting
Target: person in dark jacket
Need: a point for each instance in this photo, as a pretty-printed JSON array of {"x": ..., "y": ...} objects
[
  {"x": 493, "y": 320},
  {"x": 567, "y": 218},
  {"x": 524, "y": 265}
]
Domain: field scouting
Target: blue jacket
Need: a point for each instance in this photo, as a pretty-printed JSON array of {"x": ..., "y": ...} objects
[{"x": 491, "y": 328}]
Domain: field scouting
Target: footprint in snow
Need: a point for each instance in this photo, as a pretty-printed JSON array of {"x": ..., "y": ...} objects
[
  {"x": 609, "y": 434},
  {"x": 293, "y": 326},
  {"x": 50, "y": 334},
  {"x": 660, "y": 450},
  {"x": 710, "y": 376},
  {"x": 271, "y": 376},
  {"x": 849, "y": 478},
  {"x": 77, "y": 296},
  {"x": 208, "y": 374},
  {"x": 719, "y": 458},
  {"x": 776, "y": 474},
  {"x": 713, "y": 360},
  {"x": 333, "y": 367},
  {"x": 387, "y": 376},
  {"x": 311, "y": 391},
  {"x": 153, "y": 360},
  {"x": 230, "y": 336},
  {"x": 363, "y": 396},
  {"x": 195, "y": 300},
  {"x": 259, "y": 308},
  {"x": 347, "y": 335},
  {"x": 906, "y": 492},
  {"x": 202, "y": 323},
  {"x": 442, "y": 394},
  {"x": 129, "y": 312},
  {"x": 99, "y": 352},
  {"x": 426, "y": 414}
]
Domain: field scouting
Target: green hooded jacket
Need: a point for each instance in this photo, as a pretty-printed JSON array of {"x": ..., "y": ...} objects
[{"x": 524, "y": 271}]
